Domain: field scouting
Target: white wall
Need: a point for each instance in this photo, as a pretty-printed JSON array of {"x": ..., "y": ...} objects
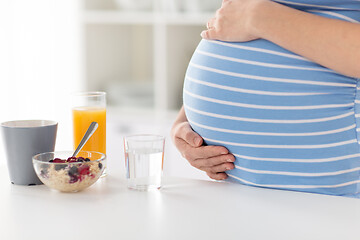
[{"x": 39, "y": 62}]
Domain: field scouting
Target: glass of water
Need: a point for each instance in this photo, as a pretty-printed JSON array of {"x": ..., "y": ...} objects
[{"x": 144, "y": 158}]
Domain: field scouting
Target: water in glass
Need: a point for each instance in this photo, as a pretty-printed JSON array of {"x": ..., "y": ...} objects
[{"x": 144, "y": 168}]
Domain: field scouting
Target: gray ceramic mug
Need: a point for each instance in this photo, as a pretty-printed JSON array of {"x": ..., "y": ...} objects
[{"x": 24, "y": 139}]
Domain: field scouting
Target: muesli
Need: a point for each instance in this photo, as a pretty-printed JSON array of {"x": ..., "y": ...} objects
[{"x": 71, "y": 175}]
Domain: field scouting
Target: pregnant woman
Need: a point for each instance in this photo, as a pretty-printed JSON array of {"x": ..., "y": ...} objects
[{"x": 272, "y": 96}]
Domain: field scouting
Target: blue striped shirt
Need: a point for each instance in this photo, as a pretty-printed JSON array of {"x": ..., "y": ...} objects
[{"x": 291, "y": 123}]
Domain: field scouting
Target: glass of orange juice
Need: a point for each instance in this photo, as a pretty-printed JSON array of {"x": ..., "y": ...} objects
[{"x": 90, "y": 107}]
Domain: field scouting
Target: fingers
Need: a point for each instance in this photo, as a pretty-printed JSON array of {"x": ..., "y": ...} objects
[
  {"x": 217, "y": 176},
  {"x": 224, "y": 2},
  {"x": 221, "y": 168},
  {"x": 218, "y": 172},
  {"x": 186, "y": 133},
  {"x": 209, "y": 34},
  {"x": 214, "y": 160},
  {"x": 203, "y": 152},
  {"x": 205, "y": 164},
  {"x": 211, "y": 23},
  {"x": 189, "y": 144}
]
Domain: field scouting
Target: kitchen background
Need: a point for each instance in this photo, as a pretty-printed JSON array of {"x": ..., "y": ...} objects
[{"x": 135, "y": 50}]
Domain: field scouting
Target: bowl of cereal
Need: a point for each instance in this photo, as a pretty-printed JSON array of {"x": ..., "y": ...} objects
[{"x": 60, "y": 171}]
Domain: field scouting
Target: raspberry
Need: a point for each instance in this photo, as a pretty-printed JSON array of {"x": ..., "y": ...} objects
[
  {"x": 58, "y": 160},
  {"x": 84, "y": 170},
  {"x": 71, "y": 159}
]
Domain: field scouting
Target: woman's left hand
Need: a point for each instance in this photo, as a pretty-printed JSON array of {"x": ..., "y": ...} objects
[{"x": 232, "y": 22}]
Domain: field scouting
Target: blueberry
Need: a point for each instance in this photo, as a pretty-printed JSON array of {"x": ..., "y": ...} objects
[
  {"x": 100, "y": 165},
  {"x": 51, "y": 161},
  {"x": 73, "y": 171},
  {"x": 73, "y": 179},
  {"x": 87, "y": 160},
  {"x": 58, "y": 167}
]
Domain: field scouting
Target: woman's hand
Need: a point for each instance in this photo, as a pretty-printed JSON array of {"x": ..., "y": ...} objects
[
  {"x": 232, "y": 21},
  {"x": 332, "y": 43},
  {"x": 214, "y": 160}
]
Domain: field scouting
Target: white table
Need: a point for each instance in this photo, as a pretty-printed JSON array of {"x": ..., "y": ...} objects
[{"x": 183, "y": 209}]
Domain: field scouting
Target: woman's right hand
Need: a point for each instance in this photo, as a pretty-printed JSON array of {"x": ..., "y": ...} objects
[{"x": 214, "y": 160}]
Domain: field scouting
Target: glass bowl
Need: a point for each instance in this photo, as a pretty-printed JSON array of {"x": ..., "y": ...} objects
[{"x": 69, "y": 176}]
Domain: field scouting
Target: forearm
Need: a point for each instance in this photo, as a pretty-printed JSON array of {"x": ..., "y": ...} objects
[
  {"x": 181, "y": 117},
  {"x": 332, "y": 43}
]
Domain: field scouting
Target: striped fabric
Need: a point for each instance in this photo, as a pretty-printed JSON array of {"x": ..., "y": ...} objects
[{"x": 291, "y": 123}]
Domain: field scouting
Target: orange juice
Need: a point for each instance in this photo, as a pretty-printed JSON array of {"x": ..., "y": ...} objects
[{"x": 82, "y": 118}]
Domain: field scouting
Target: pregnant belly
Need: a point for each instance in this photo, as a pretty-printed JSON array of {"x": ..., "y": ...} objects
[{"x": 290, "y": 123}]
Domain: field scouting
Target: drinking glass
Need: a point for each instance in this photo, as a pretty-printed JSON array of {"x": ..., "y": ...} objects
[
  {"x": 144, "y": 158},
  {"x": 90, "y": 107}
]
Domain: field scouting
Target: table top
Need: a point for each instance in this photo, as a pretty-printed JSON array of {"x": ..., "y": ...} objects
[{"x": 183, "y": 209}]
